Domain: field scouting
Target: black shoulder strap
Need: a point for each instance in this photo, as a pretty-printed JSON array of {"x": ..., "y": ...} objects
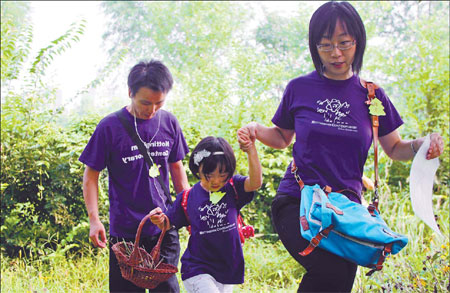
[{"x": 142, "y": 149}]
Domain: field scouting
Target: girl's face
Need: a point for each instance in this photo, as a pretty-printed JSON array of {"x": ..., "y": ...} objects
[
  {"x": 214, "y": 181},
  {"x": 146, "y": 102},
  {"x": 338, "y": 63}
]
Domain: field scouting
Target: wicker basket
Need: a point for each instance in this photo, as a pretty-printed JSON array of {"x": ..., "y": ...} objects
[{"x": 142, "y": 268}]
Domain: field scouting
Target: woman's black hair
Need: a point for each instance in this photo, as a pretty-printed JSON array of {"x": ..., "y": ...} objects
[
  {"x": 323, "y": 22},
  {"x": 209, "y": 163},
  {"x": 153, "y": 75}
]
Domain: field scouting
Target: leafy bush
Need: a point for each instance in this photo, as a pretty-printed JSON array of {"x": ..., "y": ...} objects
[
  {"x": 41, "y": 175},
  {"x": 41, "y": 195}
]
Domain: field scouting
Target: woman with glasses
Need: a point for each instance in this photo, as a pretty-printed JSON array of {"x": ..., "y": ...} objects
[{"x": 327, "y": 113}]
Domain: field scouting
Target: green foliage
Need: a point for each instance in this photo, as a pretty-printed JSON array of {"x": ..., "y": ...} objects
[
  {"x": 408, "y": 55},
  {"x": 16, "y": 38},
  {"x": 40, "y": 173},
  {"x": 279, "y": 272},
  {"x": 285, "y": 40},
  {"x": 40, "y": 168},
  {"x": 62, "y": 272},
  {"x": 422, "y": 265},
  {"x": 57, "y": 47},
  {"x": 423, "y": 75}
]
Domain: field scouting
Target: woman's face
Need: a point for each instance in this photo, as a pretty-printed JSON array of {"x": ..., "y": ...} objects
[
  {"x": 338, "y": 63},
  {"x": 146, "y": 102}
]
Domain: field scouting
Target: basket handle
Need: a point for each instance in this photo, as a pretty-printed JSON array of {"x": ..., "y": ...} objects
[
  {"x": 156, "y": 250},
  {"x": 134, "y": 257}
]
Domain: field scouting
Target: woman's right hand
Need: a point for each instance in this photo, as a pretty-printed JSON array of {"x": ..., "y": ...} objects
[
  {"x": 244, "y": 138},
  {"x": 250, "y": 130},
  {"x": 247, "y": 136}
]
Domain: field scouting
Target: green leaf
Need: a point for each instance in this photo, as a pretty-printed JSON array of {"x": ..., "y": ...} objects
[
  {"x": 215, "y": 197},
  {"x": 4, "y": 186},
  {"x": 40, "y": 163},
  {"x": 376, "y": 108}
]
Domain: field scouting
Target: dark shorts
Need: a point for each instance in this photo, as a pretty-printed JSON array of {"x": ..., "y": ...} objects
[
  {"x": 325, "y": 272},
  {"x": 170, "y": 250}
]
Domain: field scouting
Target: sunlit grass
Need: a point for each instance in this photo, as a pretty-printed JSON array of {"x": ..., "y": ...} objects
[
  {"x": 422, "y": 266},
  {"x": 85, "y": 273}
]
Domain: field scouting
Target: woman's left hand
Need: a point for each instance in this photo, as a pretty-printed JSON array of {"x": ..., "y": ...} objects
[{"x": 436, "y": 146}]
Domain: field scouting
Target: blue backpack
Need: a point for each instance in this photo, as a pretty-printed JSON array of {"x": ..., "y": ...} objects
[{"x": 346, "y": 228}]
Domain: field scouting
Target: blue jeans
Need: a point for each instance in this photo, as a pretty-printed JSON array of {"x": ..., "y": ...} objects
[
  {"x": 325, "y": 271},
  {"x": 170, "y": 250}
]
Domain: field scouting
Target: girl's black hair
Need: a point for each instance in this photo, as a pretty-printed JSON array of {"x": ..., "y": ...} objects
[
  {"x": 153, "y": 75},
  {"x": 323, "y": 22},
  {"x": 227, "y": 161}
]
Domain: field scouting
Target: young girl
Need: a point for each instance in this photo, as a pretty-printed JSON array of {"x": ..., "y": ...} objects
[{"x": 213, "y": 260}]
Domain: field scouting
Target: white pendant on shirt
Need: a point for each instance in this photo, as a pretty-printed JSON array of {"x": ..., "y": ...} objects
[{"x": 154, "y": 171}]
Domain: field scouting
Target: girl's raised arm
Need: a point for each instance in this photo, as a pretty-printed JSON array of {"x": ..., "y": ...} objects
[{"x": 254, "y": 180}]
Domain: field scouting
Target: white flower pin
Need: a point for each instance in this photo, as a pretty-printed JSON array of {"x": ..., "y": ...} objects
[{"x": 198, "y": 157}]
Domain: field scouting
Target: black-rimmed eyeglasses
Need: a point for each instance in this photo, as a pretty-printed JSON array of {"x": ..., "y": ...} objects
[{"x": 345, "y": 45}]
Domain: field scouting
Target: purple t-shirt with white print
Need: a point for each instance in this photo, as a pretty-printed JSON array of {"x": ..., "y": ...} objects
[
  {"x": 214, "y": 246},
  {"x": 333, "y": 131},
  {"x": 132, "y": 193}
]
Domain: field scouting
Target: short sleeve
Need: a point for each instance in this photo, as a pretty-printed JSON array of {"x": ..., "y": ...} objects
[
  {"x": 243, "y": 197},
  {"x": 180, "y": 147},
  {"x": 95, "y": 153},
  {"x": 283, "y": 117},
  {"x": 392, "y": 120}
]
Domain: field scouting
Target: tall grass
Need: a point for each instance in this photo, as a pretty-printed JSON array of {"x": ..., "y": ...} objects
[
  {"x": 422, "y": 266},
  {"x": 87, "y": 272}
]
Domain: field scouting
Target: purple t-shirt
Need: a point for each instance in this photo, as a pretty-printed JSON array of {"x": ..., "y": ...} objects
[
  {"x": 132, "y": 193},
  {"x": 214, "y": 246},
  {"x": 333, "y": 131}
]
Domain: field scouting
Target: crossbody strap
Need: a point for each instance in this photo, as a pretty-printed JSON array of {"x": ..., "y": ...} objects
[
  {"x": 371, "y": 87},
  {"x": 142, "y": 149}
]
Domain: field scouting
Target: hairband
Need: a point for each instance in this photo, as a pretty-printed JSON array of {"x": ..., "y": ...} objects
[{"x": 200, "y": 155}]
